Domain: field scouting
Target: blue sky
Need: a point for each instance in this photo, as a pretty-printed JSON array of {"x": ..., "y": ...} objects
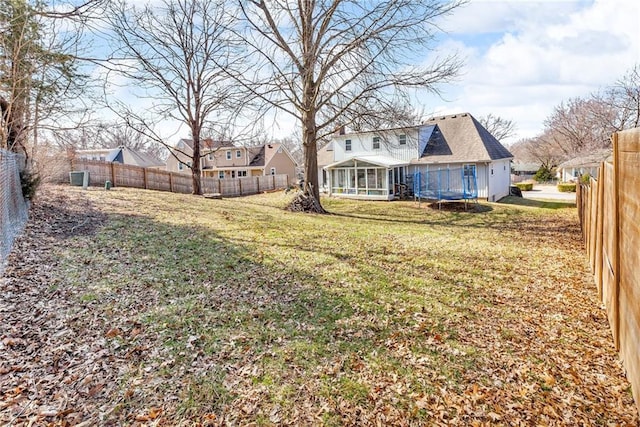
[{"x": 523, "y": 58}]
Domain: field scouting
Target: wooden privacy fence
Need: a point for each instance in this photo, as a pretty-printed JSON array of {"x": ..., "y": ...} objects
[
  {"x": 609, "y": 210},
  {"x": 156, "y": 179}
]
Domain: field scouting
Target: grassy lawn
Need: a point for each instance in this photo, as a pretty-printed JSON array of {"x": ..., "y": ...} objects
[{"x": 236, "y": 312}]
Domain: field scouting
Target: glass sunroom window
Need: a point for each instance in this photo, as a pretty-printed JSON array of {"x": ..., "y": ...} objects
[
  {"x": 362, "y": 183},
  {"x": 371, "y": 178},
  {"x": 362, "y": 178}
]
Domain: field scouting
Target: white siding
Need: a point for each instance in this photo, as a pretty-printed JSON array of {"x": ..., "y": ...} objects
[
  {"x": 499, "y": 176},
  {"x": 362, "y": 145},
  {"x": 481, "y": 176}
]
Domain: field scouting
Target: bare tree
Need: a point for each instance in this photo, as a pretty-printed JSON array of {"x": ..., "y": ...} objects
[
  {"x": 497, "y": 126},
  {"x": 178, "y": 55},
  {"x": 330, "y": 63},
  {"x": 580, "y": 124},
  {"x": 623, "y": 97},
  {"x": 545, "y": 150},
  {"x": 395, "y": 114}
]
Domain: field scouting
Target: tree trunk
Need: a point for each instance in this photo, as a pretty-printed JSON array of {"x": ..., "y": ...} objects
[
  {"x": 310, "y": 157},
  {"x": 195, "y": 165}
]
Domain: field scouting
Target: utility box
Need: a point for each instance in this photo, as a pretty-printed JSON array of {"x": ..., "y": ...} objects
[{"x": 79, "y": 178}]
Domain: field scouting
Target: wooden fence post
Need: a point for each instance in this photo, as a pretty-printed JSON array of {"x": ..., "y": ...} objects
[
  {"x": 258, "y": 184},
  {"x": 599, "y": 264},
  {"x": 171, "y": 182},
  {"x": 144, "y": 177},
  {"x": 113, "y": 174},
  {"x": 616, "y": 245}
]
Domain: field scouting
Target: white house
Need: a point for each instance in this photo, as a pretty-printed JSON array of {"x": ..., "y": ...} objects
[
  {"x": 572, "y": 169},
  {"x": 382, "y": 164}
]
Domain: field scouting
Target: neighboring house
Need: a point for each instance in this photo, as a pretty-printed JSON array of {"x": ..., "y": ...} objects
[
  {"x": 182, "y": 155},
  {"x": 380, "y": 165},
  {"x": 222, "y": 159},
  {"x": 523, "y": 171},
  {"x": 573, "y": 169},
  {"x": 123, "y": 155}
]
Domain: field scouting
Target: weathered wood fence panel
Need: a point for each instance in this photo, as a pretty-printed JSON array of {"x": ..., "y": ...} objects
[
  {"x": 155, "y": 179},
  {"x": 98, "y": 172},
  {"x": 158, "y": 180},
  {"x": 628, "y": 183},
  {"x": 609, "y": 210}
]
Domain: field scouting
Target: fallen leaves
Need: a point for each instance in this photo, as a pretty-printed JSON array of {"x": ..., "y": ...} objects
[
  {"x": 113, "y": 312},
  {"x": 149, "y": 415}
]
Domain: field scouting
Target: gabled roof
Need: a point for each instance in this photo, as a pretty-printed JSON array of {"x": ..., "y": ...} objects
[
  {"x": 132, "y": 157},
  {"x": 384, "y": 161},
  {"x": 458, "y": 138},
  {"x": 125, "y": 155},
  {"x": 207, "y": 143},
  {"x": 261, "y": 155}
]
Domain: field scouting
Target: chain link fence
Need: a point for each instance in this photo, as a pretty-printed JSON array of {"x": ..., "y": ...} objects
[{"x": 13, "y": 207}]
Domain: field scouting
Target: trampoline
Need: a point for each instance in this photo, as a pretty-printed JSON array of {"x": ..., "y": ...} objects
[{"x": 443, "y": 185}]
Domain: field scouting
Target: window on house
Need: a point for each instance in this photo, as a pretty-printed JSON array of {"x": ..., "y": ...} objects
[
  {"x": 238, "y": 154},
  {"x": 180, "y": 166},
  {"x": 210, "y": 156},
  {"x": 273, "y": 171},
  {"x": 469, "y": 170},
  {"x": 233, "y": 174},
  {"x": 347, "y": 145},
  {"x": 242, "y": 173},
  {"x": 189, "y": 164},
  {"x": 376, "y": 142},
  {"x": 221, "y": 174},
  {"x": 228, "y": 155},
  {"x": 402, "y": 139}
]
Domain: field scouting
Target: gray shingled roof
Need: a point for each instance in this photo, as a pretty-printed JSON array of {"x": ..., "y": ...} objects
[
  {"x": 128, "y": 156},
  {"x": 588, "y": 159},
  {"x": 461, "y": 138},
  {"x": 208, "y": 143},
  {"x": 258, "y": 155}
]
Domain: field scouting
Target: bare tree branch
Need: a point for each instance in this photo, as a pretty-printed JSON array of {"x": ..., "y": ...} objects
[
  {"x": 497, "y": 126},
  {"x": 336, "y": 62},
  {"x": 179, "y": 55}
]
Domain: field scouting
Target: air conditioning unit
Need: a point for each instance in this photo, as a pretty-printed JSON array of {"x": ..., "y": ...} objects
[{"x": 79, "y": 178}]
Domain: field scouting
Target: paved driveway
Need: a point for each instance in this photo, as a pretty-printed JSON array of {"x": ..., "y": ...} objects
[{"x": 548, "y": 192}]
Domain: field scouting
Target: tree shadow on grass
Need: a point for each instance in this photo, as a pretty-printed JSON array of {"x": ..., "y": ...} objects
[
  {"x": 195, "y": 322},
  {"x": 451, "y": 206},
  {"x": 534, "y": 203}
]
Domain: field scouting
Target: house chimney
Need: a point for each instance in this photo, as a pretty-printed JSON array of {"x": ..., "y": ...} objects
[{"x": 340, "y": 130}]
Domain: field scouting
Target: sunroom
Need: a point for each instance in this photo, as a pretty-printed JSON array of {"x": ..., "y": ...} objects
[{"x": 367, "y": 177}]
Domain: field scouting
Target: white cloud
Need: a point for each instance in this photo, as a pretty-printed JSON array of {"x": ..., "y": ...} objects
[{"x": 524, "y": 58}]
